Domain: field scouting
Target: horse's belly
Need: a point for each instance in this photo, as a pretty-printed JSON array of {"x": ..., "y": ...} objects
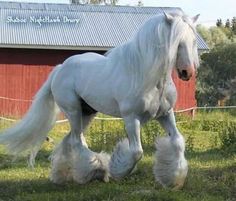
[
  {"x": 99, "y": 97},
  {"x": 102, "y": 105}
]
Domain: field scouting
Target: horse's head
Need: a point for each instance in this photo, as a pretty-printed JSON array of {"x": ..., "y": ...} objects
[{"x": 186, "y": 59}]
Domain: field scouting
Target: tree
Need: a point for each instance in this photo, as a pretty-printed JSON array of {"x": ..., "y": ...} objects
[
  {"x": 216, "y": 79},
  {"x": 214, "y": 35},
  {"x": 107, "y": 2},
  {"x": 227, "y": 24},
  {"x": 219, "y": 23},
  {"x": 233, "y": 25},
  {"x": 217, "y": 73},
  {"x": 140, "y": 3},
  {"x": 218, "y": 37}
]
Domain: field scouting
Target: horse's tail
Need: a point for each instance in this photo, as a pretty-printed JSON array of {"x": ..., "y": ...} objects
[{"x": 28, "y": 134}]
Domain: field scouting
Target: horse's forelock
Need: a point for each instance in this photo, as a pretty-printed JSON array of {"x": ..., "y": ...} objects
[{"x": 181, "y": 28}]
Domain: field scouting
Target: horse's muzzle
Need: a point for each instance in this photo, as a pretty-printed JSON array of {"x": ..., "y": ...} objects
[{"x": 186, "y": 72}]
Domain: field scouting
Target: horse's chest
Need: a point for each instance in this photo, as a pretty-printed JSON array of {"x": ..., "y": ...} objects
[
  {"x": 149, "y": 106},
  {"x": 157, "y": 103}
]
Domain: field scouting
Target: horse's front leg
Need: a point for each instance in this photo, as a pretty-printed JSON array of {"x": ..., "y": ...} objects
[
  {"x": 128, "y": 152},
  {"x": 170, "y": 167}
]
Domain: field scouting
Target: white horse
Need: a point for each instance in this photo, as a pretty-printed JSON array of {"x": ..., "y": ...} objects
[{"x": 132, "y": 81}]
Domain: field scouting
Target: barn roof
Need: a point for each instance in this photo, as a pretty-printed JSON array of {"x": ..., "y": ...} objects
[{"x": 66, "y": 26}]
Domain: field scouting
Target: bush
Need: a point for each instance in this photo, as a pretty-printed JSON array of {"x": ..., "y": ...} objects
[
  {"x": 216, "y": 74},
  {"x": 228, "y": 138}
]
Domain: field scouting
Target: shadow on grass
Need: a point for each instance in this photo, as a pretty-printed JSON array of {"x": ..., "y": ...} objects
[
  {"x": 202, "y": 184},
  {"x": 9, "y": 161},
  {"x": 20, "y": 190},
  {"x": 39, "y": 189},
  {"x": 43, "y": 157},
  {"x": 218, "y": 182},
  {"x": 215, "y": 154}
]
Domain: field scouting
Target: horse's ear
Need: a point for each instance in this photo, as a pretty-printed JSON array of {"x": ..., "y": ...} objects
[
  {"x": 195, "y": 18},
  {"x": 169, "y": 17}
]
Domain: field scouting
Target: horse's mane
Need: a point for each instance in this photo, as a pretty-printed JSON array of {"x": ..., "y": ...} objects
[{"x": 153, "y": 49}]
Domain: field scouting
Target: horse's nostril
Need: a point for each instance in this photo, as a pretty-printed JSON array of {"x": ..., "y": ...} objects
[{"x": 184, "y": 73}]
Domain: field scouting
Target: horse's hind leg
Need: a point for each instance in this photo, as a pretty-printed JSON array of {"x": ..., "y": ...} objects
[
  {"x": 62, "y": 156},
  {"x": 88, "y": 165},
  {"x": 72, "y": 160},
  {"x": 170, "y": 167}
]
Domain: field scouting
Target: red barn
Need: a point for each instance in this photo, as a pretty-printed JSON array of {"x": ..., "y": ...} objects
[{"x": 36, "y": 37}]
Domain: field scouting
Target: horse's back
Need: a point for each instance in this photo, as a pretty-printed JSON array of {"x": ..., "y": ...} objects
[
  {"x": 80, "y": 66},
  {"x": 85, "y": 58}
]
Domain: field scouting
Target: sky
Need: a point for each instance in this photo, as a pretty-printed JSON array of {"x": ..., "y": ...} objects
[{"x": 209, "y": 10}]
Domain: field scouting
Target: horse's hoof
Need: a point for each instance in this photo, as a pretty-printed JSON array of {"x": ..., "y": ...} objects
[
  {"x": 106, "y": 178},
  {"x": 179, "y": 180}
]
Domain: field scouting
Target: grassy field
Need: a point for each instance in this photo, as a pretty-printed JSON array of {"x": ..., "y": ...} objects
[{"x": 212, "y": 173}]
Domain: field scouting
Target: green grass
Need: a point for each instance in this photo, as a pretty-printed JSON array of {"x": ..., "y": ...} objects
[{"x": 212, "y": 172}]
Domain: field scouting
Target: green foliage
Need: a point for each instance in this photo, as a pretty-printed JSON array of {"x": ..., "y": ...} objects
[
  {"x": 227, "y": 24},
  {"x": 219, "y": 23},
  {"x": 217, "y": 70},
  {"x": 228, "y": 138},
  {"x": 103, "y": 134},
  {"x": 233, "y": 25},
  {"x": 218, "y": 66},
  {"x": 218, "y": 36},
  {"x": 221, "y": 34},
  {"x": 215, "y": 35}
]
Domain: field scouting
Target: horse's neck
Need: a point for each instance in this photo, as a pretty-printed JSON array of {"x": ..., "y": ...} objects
[
  {"x": 147, "y": 70},
  {"x": 157, "y": 72},
  {"x": 147, "y": 63}
]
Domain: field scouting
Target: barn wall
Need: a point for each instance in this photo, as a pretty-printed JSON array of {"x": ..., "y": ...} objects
[{"x": 22, "y": 72}]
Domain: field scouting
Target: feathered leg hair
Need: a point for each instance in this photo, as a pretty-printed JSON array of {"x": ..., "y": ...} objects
[
  {"x": 73, "y": 162},
  {"x": 170, "y": 168},
  {"x": 123, "y": 160}
]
